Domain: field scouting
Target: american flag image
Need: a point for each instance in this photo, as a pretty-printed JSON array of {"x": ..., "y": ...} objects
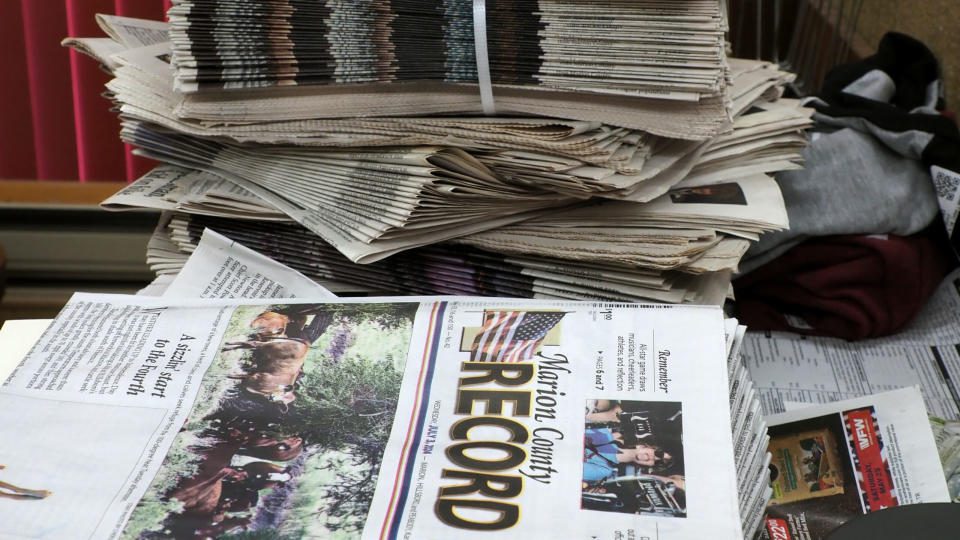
[{"x": 512, "y": 336}]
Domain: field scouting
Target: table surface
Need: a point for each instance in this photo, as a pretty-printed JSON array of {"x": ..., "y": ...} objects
[{"x": 16, "y": 340}]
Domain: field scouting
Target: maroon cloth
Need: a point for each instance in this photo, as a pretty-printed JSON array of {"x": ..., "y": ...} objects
[
  {"x": 44, "y": 25},
  {"x": 851, "y": 287},
  {"x": 54, "y": 122},
  {"x": 17, "y": 159}
]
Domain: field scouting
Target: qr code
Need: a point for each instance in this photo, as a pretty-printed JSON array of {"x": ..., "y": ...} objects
[{"x": 947, "y": 183}]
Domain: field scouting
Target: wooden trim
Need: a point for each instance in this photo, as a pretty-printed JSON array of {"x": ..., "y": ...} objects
[{"x": 56, "y": 192}]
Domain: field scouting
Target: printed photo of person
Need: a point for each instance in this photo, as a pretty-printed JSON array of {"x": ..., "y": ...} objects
[
  {"x": 728, "y": 193},
  {"x": 633, "y": 457}
]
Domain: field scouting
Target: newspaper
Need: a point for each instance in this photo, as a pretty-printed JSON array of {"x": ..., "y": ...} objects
[
  {"x": 131, "y": 32},
  {"x": 488, "y": 172},
  {"x": 835, "y": 461},
  {"x": 437, "y": 483},
  {"x": 788, "y": 367},
  {"x": 563, "y": 46},
  {"x": 168, "y": 187},
  {"x": 440, "y": 269},
  {"x": 218, "y": 268},
  {"x": 222, "y": 268},
  {"x": 750, "y": 435},
  {"x": 662, "y": 67},
  {"x": 201, "y": 382},
  {"x": 674, "y": 230},
  {"x": 124, "y": 33}
]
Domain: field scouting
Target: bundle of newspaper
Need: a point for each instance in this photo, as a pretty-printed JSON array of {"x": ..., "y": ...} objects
[
  {"x": 437, "y": 269},
  {"x": 372, "y": 188},
  {"x": 750, "y": 438},
  {"x": 577, "y": 158},
  {"x": 616, "y": 59},
  {"x": 609, "y": 435},
  {"x": 626, "y": 260},
  {"x": 476, "y": 174}
]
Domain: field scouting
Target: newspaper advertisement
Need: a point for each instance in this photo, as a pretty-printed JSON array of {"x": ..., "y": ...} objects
[
  {"x": 835, "y": 461},
  {"x": 186, "y": 418},
  {"x": 791, "y": 368}
]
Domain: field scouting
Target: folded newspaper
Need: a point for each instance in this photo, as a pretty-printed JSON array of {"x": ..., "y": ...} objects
[
  {"x": 377, "y": 58},
  {"x": 836, "y": 461},
  {"x": 173, "y": 417},
  {"x": 374, "y": 188}
]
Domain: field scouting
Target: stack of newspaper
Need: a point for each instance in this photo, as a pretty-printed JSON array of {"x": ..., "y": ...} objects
[
  {"x": 548, "y": 44},
  {"x": 639, "y": 63},
  {"x": 439, "y": 269},
  {"x": 673, "y": 218},
  {"x": 518, "y": 411},
  {"x": 750, "y": 438},
  {"x": 314, "y": 460}
]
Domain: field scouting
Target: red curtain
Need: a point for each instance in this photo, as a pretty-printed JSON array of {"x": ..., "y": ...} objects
[{"x": 54, "y": 122}]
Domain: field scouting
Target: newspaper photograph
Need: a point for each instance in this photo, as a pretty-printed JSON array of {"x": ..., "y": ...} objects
[
  {"x": 298, "y": 421},
  {"x": 835, "y": 461},
  {"x": 281, "y": 418},
  {"x": 621, "y": 463}
]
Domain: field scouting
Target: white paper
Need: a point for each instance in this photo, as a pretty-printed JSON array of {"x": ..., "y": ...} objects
[
  {"x": 16, "y": 339},
  {"x": 222, "y": 268},
  {"x": 116, "y": 380}
]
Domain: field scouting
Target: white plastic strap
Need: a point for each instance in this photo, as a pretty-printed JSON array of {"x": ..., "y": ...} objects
[{"x": 483, "y": 59}]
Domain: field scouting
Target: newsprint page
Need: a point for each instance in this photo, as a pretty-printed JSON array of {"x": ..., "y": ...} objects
[
  {"x": 136, "y": 417},
  {"x": 834, "y": 461}
]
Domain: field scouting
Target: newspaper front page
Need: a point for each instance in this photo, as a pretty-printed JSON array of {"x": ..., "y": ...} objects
[
  {"x": 835, "y": 461},
  {"x": 168, "y": 417},
  {"x": 496, "y": 439}
]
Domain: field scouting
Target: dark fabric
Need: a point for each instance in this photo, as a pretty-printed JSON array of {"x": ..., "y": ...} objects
[
  {"x": 915, "y": 105},
  {"x": 851, "y": 287},
  {"x": 908, "y": 62}
]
